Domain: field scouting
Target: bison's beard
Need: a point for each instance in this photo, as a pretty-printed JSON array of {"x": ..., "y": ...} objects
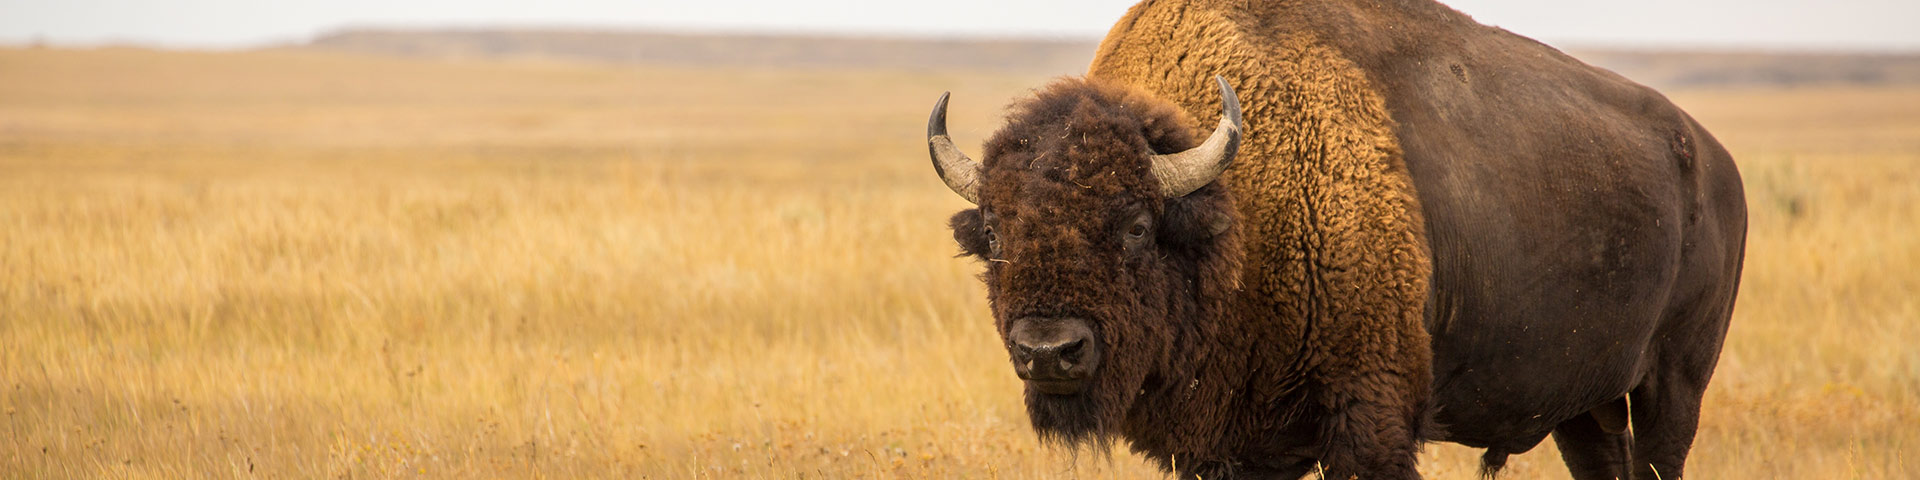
[
  {"x": 1090, "y": 417},
  {"x": 1065, "y": 419}
]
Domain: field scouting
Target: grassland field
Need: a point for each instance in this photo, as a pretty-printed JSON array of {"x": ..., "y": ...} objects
[{"x": 289, "y": 264}]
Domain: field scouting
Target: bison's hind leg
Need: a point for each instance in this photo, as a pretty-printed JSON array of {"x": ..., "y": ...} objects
[
  {"x": 1666, "y": 412},
  {"x": 1595, "y": 444},
  {"x": 1665, "y": 406}
]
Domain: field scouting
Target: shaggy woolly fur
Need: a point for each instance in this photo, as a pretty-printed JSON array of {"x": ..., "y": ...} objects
[{"x": 1341, "y": 260}]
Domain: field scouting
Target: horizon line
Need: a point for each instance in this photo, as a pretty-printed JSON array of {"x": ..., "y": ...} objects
[{"x": 306, "y": 40}]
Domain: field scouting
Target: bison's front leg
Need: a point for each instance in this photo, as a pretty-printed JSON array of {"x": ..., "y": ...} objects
[{"x": 1372, "y": 427}]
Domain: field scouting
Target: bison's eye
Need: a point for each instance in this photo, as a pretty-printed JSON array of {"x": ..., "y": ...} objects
[{"x": 1136, "y": 233}]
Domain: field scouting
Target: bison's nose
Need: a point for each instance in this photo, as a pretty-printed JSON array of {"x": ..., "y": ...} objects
[{"x": 1054, "y": 355}]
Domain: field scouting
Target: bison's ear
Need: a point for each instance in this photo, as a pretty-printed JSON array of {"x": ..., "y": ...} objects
[
  {"x": 1189, "y": 223},
  {"x": 970, "y": 230}
]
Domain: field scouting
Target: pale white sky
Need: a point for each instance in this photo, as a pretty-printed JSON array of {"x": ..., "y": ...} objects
[{"x": 1793, "y": 24}]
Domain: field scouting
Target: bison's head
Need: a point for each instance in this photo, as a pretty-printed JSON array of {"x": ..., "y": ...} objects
[{"x": 1105, "y": 239}]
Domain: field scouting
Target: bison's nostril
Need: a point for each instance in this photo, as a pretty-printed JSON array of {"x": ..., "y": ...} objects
[{"x": 1071, "y": 351}]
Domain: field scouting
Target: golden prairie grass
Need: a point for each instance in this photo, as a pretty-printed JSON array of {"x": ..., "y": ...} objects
[{"x": 290, "y": 264}]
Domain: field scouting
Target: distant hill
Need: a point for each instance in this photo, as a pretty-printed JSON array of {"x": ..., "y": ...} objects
[
  {"x": 1666, "y": 69},
  {"x": 1723, "y": 68},
  {"x": 1018, "y": 55}
]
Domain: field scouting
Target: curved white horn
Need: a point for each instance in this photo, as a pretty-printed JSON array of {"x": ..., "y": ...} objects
[
  {"x": 1182, "y": 173},
  {"x": 962, "y": 174}
]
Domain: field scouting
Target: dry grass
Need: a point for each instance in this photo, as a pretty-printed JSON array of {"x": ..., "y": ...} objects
[{"x": 292, "y": 264}]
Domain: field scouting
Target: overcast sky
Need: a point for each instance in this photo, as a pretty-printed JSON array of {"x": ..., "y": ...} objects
[{"x": 1795, "y": 24}]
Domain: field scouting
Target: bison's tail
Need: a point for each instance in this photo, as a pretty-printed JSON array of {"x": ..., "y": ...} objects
[{"x": 1492, "y": 462}]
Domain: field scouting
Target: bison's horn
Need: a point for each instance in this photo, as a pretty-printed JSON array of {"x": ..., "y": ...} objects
[
  {"x": 1182, "y": 173},
  {"x": 962, "y": 174}
]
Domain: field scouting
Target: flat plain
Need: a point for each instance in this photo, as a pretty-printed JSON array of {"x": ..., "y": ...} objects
[{"x": 289, "y": 263}]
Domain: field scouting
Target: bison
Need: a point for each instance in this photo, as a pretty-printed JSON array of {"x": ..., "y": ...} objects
[{"x": 1421, "y": 229}]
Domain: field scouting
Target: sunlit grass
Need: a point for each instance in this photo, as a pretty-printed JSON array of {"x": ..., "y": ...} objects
[{"x": 295, "y": 264}]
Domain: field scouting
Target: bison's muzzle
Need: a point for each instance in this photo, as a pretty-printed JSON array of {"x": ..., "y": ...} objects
[{"x": 1054, "y": 355}]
